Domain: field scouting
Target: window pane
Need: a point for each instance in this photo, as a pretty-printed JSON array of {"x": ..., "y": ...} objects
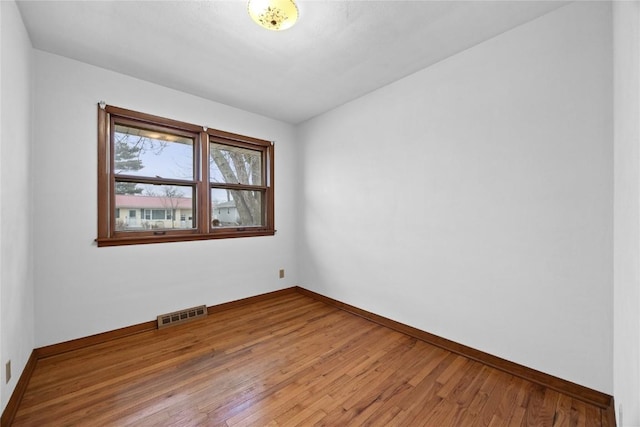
[
  {"x": 154, "y": 207},
  {"x": 234, "y": 165},
  {"x": 233, "y": 208},
  {"x": 141, "y": 152},
  {"x": 158, "y": 214}
]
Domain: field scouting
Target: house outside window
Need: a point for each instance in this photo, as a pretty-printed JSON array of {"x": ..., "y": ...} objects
[{"x": 175, "y": 181}]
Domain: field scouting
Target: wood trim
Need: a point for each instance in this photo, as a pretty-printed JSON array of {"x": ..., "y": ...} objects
[
  {"x": 177, "y": 124},
  {"x": 55, "y": 349},
  {"x": 609, "y": 415},
  {"x": 250, "y": 300},
  {"x": 155, "y": 181},
  {"x": 271, "y": 196},
  {"x": 602, "y": 400},
  {"x": 63, "y": 347},
  {"x": 151, "y": 119},
  {"x": 10, "y": 410},
  {"x": 203, "y": 192},
  {"x": 177, "y": 237},
  {"x": 103, "y": 169},
  {"x": 223, "y": 137}
]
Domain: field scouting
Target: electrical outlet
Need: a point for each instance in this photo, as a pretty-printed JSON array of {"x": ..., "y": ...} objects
[
  {"x": 7, "y": 371},
  {"x": 282, "y": 273}
]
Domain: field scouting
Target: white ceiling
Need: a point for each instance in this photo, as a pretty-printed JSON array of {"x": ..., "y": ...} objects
[{"x": 338, "y": 50}]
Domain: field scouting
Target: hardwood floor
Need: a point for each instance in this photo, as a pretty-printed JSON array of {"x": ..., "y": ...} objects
[{"x": 286, "y": 361}]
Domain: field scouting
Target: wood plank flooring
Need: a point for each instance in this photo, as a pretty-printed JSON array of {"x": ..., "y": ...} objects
[{"x": 286, "y": 361}]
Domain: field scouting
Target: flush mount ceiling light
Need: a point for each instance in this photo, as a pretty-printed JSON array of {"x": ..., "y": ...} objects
[{"x": 275, "y": 15}]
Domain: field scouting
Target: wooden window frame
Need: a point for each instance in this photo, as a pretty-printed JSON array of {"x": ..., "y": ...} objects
[{"x": 202, "y": 136}]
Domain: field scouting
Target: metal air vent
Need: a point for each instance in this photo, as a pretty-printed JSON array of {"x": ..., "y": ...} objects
[{"x": 181, "y": 316}]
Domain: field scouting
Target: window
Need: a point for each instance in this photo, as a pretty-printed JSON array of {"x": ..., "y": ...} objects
[
  {"x": 156, "y": 214},
  {"x": 186, "y": 182}
]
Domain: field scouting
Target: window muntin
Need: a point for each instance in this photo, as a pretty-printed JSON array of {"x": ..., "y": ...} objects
[{"x": 160, "y": 180}]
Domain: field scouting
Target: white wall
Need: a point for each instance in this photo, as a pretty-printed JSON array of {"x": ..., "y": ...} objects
[
  {"x": 83, "y": 290},
  {"x": 16, "y": 278},
  {"x": 626, "y": 350},
  {"x": 474, "y": 198},
  {"x": 491, "y": 226}
]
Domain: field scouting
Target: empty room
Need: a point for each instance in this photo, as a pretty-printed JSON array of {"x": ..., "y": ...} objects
[{"x": 300, "y": 212}]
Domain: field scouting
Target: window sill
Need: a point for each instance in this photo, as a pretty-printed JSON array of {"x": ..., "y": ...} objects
[{"x": 143, "y": 240}]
